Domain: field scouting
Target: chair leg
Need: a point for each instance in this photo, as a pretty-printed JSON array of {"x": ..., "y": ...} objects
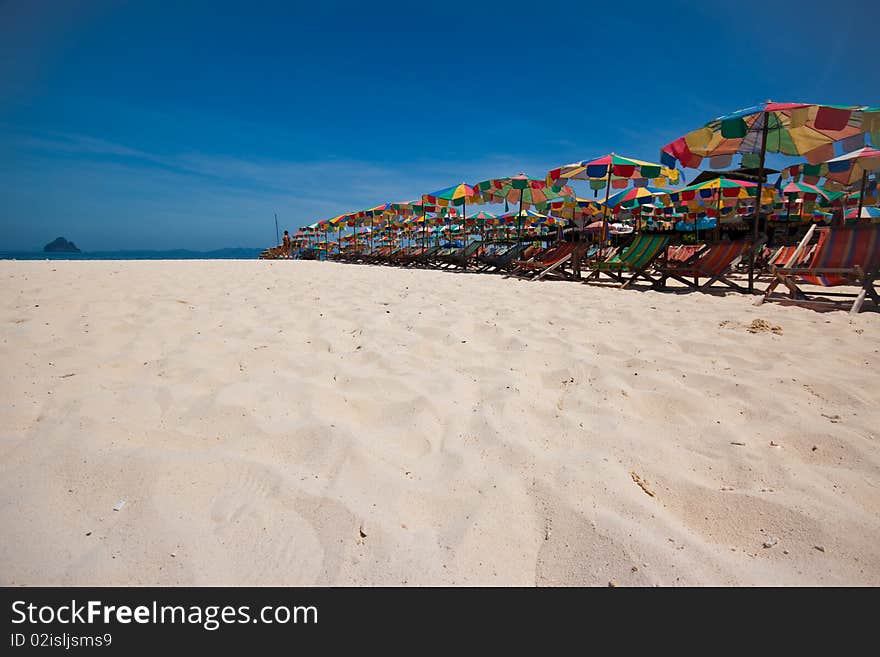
[
  {"x": 867, "y": 288},
  {"x": 628, "y": 281},
  {"x": 770, "y": 288},
  {"x": 551, "y": 268}
]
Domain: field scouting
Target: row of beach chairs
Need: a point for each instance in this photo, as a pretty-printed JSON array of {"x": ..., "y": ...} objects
[{"x": 840, "y": 256}]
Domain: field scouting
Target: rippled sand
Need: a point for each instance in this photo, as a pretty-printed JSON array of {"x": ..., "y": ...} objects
[{"x": 317, "y": 423}]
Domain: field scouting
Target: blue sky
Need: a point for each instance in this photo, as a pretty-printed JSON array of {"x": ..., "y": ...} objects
[{"x": 186, "y": 125}]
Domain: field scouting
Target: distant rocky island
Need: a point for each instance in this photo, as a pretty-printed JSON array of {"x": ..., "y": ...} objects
[{"x": 60, "y": 245}]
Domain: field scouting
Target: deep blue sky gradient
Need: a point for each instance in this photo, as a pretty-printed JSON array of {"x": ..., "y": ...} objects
[{"x": 186, "y": 125}]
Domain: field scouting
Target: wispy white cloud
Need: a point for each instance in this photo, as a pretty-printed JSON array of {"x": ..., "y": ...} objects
[{"x": 123, "y": 193}]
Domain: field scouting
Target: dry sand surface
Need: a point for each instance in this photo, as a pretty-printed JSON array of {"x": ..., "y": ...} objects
[{"x": 316, "y": 423}]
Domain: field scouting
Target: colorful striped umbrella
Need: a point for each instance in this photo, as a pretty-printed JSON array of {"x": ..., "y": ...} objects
[
  {"x": 529, "y": 216},
  {"x": 808, "y": 192},
  {"x": 868, "y": 212},
  {"x": 840, "y": 173},
  {"x": 613, "y": 167},
  {"x": 843, "y": 171},
  {"x": 482, "y": 215},
  {"x": 710, "y": 189},
  {"x": 719, "y": 189},
  {"x": 787, "y": 128},
  {"x": 616, "y": 171},
  {"x": 635, "y": 196},
  {"x": 577, "y": 210},
  {"x": 527, "y": 192},
  {"x": 455, "y": 195}
]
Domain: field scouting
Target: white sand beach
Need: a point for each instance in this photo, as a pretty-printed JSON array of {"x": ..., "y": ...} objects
[{"x": 302, "y": 423}]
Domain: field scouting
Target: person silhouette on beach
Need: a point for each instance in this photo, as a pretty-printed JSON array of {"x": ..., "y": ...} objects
[{"x": 285, "y": 245}]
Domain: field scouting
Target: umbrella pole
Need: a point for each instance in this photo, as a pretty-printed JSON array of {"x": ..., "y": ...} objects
[
  {"x": 605, "y": 208},
  {"x": 861, "y": 195},
  {"x": 755, "y": 220},
  {"x": 519, "y": 218},
  {"x": 717, "y": 236},
  {"x": 464, "y": 222}
]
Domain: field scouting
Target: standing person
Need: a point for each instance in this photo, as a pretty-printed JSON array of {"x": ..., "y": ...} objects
[{"x": 285, "y": 245}]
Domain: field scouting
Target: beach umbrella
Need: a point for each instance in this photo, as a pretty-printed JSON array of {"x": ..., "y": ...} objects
[
  {"x": 481, "y": 218},
  {"x": 529, "y": 216},
  {"x": 577, "y": 210},
  {"x": 527, "y": 192},
  {"x": 616, "y": 171},
  {"x": 635, "y": 196},
  {"x": 716, "y": 189},
  {"x": 613, "y": 167},
  {"x": 786, "y": 128},
  {"x": 846, "y": 170},
  {"x": 455, "y": 195},
  {"x": 843, "y": 172},
  {"x": 868, "y": 212},
  {"x": 808, "y": 192}
]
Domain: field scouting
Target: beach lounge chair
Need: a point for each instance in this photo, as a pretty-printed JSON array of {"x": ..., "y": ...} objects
[
  {"x": 437, "y": 258},
  {"x": 634, "y": 260},
  {"x": 551, "y": 261},
  {"x": 682, "y": 252},
  {"x": 350, "y": 254},
  {"x": 377, "y": 255},
  {"x": 406, "y": 254},
  {"x": 844, "y": 255},
  {"x": 462, "y": 257},
  {"x": 426, "y": 256},
  {"x": 712, "y": 262},
  {"x": 781, "y": 257},
  {"x": 390, "y": 256},
  {"x": 501, "y": 259}
]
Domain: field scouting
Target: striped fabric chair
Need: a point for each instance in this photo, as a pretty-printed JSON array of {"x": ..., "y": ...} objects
[
  {"x": 461, "y": 257},
  {"x": 844, "y": 255},
  {"x": 635, "y": 260},
  {"x": 501, "y": 259},
  {"x": 682, "y": 252},
  {"x": 781, "y": 257},
  {"x": 713, "y": 263},
  {"x": 551, "y": 261}
]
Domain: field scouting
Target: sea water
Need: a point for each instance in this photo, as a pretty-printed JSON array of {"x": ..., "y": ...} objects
[{"x": 176, "y": 254}]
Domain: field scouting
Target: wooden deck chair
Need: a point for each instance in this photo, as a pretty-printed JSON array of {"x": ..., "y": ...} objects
[
  {"x": 788, "y": 256},
  {"x": 499, "y": 261},
  {"x": 844, "y": 255},
  {"x": 532, "y": 254},
  {"x": 682, "y": 252},
  {"x": 425, "y": 257},
  {"x": 462, "y": 257},
  {"x": 634, "y": 259},
  {"x": 712, "y": 262},
  {"x": 550, "y": 261},
  {"x": 378, "y": 255}
]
